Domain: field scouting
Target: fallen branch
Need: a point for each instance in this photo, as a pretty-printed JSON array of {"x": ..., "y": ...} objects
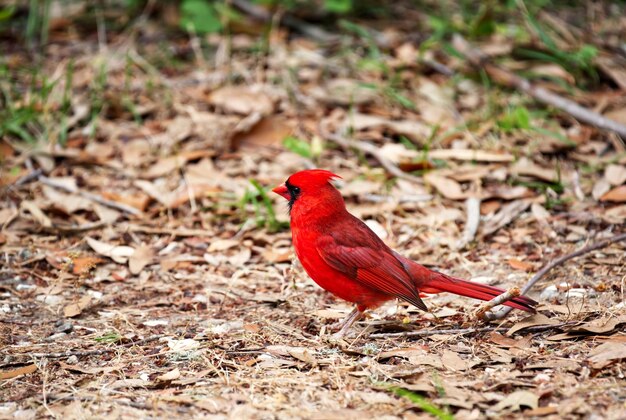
[
  {"x": 498, "y": 300},
  {"x": 65, "y": 354},
  {"x": 93, "y": 197},
  {"x": 371, "y": 150},
  {"x": 426, "y": 333},
  {"x": 478, "y": 59},
  {"x": 259, "y": 13},
  {"x": 541, "y": 273}
]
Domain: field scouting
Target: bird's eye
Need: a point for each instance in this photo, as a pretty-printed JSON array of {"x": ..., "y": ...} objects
[{"x": 295, "y": 190}]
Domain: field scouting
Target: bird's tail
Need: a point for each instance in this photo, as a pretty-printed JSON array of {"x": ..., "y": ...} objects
[{"x": 429, "y": 281}]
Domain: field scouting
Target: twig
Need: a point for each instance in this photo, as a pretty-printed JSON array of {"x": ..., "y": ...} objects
[
  {"x": 505, "y": 77},
  {"x": 93, "y": 197},
  {"x": 31, "y": 176},
  {"x": 259, "y": 13},
  {"x": 172, "y": 232},
  {"x": 602, "y": 244},
  {"x": 498, "y": 300},
  {"x": 536, "y": 328},
  {"x": 61, "y": 355},
  {"x": 371, "y": 150},
  {"x": 472, "y": 205}
]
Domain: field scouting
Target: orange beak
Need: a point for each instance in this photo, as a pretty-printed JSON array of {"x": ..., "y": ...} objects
[{"x": 282, "y": 191}]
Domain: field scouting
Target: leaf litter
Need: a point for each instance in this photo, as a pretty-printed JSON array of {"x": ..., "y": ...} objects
[{"x": 193, "y": 304}]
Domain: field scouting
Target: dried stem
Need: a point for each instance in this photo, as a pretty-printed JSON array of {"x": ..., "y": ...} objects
[
  {"x": 541, "y": 273},
  {"x": 478, "y": 59},
  {"x": 371, "y": 150}
]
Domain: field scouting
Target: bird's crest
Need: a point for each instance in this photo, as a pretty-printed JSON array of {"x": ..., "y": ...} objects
[{"x": 312, "y": 177}]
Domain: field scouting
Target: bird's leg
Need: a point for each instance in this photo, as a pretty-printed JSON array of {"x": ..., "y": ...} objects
[{"x": 347, "y": 322}]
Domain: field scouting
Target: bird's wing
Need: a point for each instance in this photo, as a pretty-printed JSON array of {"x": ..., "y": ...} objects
[{"x": 360, "y": 255}]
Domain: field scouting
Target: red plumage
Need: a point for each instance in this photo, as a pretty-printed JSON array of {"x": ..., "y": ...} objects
[{"x": 344, "y": 256}]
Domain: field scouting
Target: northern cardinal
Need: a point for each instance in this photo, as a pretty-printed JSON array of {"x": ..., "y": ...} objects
[{"x": 345, "y": 257}]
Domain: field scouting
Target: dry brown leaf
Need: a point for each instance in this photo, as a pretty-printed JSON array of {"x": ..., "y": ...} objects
[
  {"x": 347, "y": 92},
  {"x": 520, "y": 265},
  {"x": 600, "y": 326},
  {"x": 615, "y": 174},
  {"x": 169, "y": 164},
  {"x": 525, "y": 166},
  {"x": 140, "y": 258},
  {"x": 508, "y": 342},
  {"x": 446, "y": 186},
  {"x": 76, "y": 308},
  {"x": 412, "y": 129},
  {"x": 24, "y": 370},
  {"x": 270, "y": 131},
  {"x": 118, "y": 253},
  {"x": 616, "y": 195},
  {"x": 452, "y": 361},
  {"x": 137, "y": 200},
  {"x": 606, "y": 353},
  {"x": 517, "y": 400},
  {"x": 169, "y": 376},
  {"x": 242, "y": 100},
  {"x": 69, "y": 203},
  {"x": 223, "y": 244},
  {"x": 506, "y": 215},
  {"x": 83, "y": 265},
  {"x": 531, "y": 321},
  {"x": 36, "y": 212},
  {"x": 601, "y": 187}
]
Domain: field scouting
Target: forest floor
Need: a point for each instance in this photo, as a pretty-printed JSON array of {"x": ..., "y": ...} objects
[{"x": 147, "y": 270}]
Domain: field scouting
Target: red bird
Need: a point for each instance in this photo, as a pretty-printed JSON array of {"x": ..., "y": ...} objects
[{"x": 344, "y": 256}]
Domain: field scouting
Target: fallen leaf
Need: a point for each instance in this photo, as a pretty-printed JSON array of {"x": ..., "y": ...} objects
[
  {"x": 615, "y": 174},
  {"x": 270, "y": 131},
  {"x": 525, "y": 166},
  {"x": 140, "y": 258},
  {"x": 506, "y": 215},
  {"x": 507, "y": 342},
  {"x": 138, "y": 200},
  {"x": 446, "y": 186},
  {"x": 532, "y": 321},
  {"x": 452, "y": 361},
  {"x": 601, "y": 187},
  {"x": 83, "y": 265},
  {"x": 169, "y": 376},
  {"x": 617, "y": 195},
  {"x": 36, "y": 212},
  {"x": 517, "y": 400},
  {"x": 606, "y": 353},
  {"x": 242, "y": 100},
  {"x": 24, "y": 370},
  {"x": 118, "y": 253},
  {"x": 520, "y": 265},
  {"x": 222, "y": 245},
  {"x": 412, "y": 129},
  {"x": 599, "y": 326},
  {"x": 76, "y": 308}
]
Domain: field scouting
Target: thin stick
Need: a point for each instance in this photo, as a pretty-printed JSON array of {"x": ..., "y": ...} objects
[
  {"x": 472, "y": 205},
  {"x": 371, "y": 150},
  {"x": 541, "y": 273},
  {"x": 261, "y": 14},
  {"x": 93, "y": 197},
  {"x": 505, "y": 77},
  {"x": 426, "y": 333},
  {"x": 498, "y": 300},
  {"x": 65, "y": 354}
]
